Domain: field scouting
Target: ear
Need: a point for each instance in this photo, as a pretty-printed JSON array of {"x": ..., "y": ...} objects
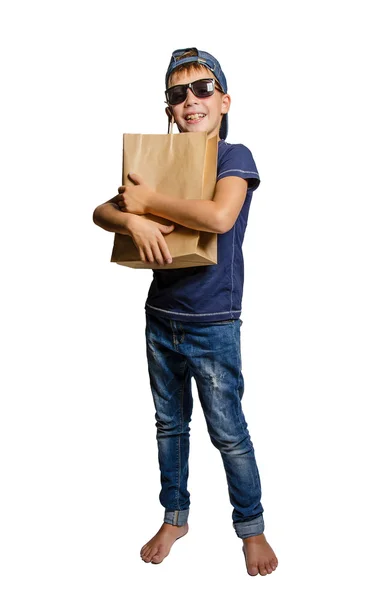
[
  {"x": 171, "y": 118},
  {"x": 169, "y": 113},
  {"x": 226, "y": 103}
]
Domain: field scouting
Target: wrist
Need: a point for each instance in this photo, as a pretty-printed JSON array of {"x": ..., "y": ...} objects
[
  {"x": 150, "y": 203},
  {"x": 130, "y": 220}
]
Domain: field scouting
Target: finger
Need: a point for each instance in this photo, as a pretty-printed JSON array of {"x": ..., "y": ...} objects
[
  {"x": 165, "y": 251},
  {"x": 135, "y": 178},
  {"x": 142, "y": 255},
  {"x": 140, "y": 250},
  {"x": 121, "y": 189},
  {"x": 149, "y": 254},
  {"x": 157, "y": 254},
  {"x": 166, "y": 228}
]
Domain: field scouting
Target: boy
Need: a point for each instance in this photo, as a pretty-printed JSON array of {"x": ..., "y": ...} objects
[{"x": 193, "y": 314}]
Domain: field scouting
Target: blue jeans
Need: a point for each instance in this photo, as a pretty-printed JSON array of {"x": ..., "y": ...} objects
[{"x": 211, "y": 352}]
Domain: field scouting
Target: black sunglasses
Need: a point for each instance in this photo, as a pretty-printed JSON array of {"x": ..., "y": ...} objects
[{"x": 202, "y": 88}]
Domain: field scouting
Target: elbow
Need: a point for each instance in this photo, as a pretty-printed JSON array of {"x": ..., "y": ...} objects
[
  {"x": 223, "y": 223},
  {"x": 224, "y": 228},
  {"x": 95, "y": 216}
]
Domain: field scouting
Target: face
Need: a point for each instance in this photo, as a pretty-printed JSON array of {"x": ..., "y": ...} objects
[{"x": 199, "y": 114}]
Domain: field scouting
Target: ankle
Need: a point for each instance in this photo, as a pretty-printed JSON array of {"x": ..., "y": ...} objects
[
  {"x": 173, "y": 527},
  {"x": 254, "y": 539}
]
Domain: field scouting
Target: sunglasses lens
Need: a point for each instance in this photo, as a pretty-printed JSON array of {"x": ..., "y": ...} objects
[
  {"x": 203, "y": 88},
  {"x": 176, "y": 94}
]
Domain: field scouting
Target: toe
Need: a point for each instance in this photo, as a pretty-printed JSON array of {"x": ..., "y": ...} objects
[
  {"x": 252, "y": 570},
  {"x": 262, "y": 569},
  {"x": 145, "y": 557},
  {"x": 152, "y": 553},
  {"x": 274, "y": 564},
  {"x": 269, "y": 568},
  {"x": 144, "y": 551},
  {"x": 157, "y": 558},
  {"x": 149, "y": 553}
]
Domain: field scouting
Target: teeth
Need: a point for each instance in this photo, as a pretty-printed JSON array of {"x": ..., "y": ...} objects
[{"x": 194, "y": 117}]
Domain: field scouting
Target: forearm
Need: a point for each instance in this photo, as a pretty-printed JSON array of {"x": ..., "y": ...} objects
[
  {"x": 111, "y": 218},
  {"x": 196, "y": 214}
]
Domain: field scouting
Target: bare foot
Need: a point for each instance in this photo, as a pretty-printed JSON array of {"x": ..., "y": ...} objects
[
  {"x": 159, "y": 546},
  {"x": 259, "y": 555}
]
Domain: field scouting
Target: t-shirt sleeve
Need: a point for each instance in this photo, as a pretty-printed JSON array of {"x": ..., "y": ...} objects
[{"x": 238, "y": 161}]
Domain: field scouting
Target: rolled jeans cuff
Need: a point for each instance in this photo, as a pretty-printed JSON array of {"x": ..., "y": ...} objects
[
  {"x": 176, "y": 517},
  {"x": 249, "y": 528}
]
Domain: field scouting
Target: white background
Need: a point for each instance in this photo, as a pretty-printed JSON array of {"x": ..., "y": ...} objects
[{"x": 79, "y": 471}]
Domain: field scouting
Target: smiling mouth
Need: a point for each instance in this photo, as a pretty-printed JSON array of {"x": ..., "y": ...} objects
[{"x": 196, "y": 117}]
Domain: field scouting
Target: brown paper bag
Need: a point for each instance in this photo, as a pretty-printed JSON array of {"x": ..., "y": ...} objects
[{"x": 183, "y": 165}]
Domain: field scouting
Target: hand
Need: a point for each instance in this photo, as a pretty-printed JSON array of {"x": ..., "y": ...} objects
[
  {"x": 134, "y": 198},
  {"x": 148, "y": 237}
]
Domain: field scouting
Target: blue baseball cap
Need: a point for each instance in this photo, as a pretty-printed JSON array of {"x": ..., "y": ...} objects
[{"x": 179, "y": 57}]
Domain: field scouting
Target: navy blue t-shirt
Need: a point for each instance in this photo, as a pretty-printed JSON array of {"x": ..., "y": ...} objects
[{"x": 213, "y": 292}]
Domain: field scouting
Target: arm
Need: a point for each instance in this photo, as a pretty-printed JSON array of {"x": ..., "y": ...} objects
[
  {"x": 109, "y": 216},
  {"x": 217, "y": 215},
  {"x": 147, "y": 235}
]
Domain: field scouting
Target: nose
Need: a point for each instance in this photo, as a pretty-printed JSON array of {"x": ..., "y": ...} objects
[{"x": 190, "y": 98}]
